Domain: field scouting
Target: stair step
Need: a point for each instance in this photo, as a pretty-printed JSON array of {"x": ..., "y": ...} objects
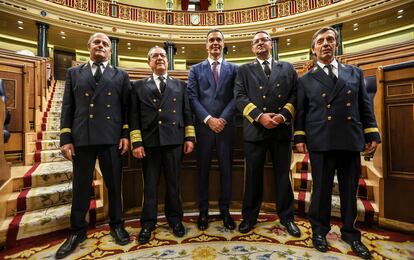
[
  {"x": 44, "y": 197},
  {"x": 44, "y": 221},
  {"x": 54, "y": 113},
  {"x": 46, "y": 174},
  {"x": 49, "y": 156},
  {"x": 367, "y": 210},
  {"x": 48, "y": 135},
  {"x": 303, "y": 182},
  {"x": 46, "y": 145},
  {"x": 54, "y": 126}
]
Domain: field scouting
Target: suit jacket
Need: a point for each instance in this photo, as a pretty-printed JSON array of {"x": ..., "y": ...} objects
[
  {"x": 159, "y": 120},
  {"x": 94, "y": 114},
  {"x": 208, "y": 99},
  {"x": 256, "y": 94},
  {"x": 334, "y": 117}
]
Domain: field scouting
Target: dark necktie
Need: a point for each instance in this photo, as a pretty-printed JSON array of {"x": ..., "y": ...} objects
[
  {"x": 162, "y": 84},
  {"x": 215, "y": 72},
  {"x": 330, "y": 73},
  {"x": 266, "y": 68},
  {"x": 98, "y": 72}
]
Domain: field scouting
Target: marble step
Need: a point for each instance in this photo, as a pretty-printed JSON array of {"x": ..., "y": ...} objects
[
  {"x": 43, "y": 145},
  {"x": 48, "y": 135},
  {"x": 44, "y": 197},
  {"x": 44, "y": 221},
  {"x": 43, "y": 175},
  {"x": 367, "y": 209}
]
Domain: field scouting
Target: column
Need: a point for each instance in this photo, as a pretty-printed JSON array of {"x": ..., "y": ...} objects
[
  {"x": 42, "y": 49},
  {"x": 338, "y": 28},
  {"x": 275, "y": 50},
  {"x": 170, "y": 49},
  {"x": 114, "y": 55}
]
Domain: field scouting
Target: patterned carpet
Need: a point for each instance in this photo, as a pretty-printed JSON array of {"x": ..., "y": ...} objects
[{"x": 268, "y": 240}]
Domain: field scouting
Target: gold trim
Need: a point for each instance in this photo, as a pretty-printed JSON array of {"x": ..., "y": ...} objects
[
  {"x": 135, "y": 136},
  {"x": 291, "y": 108},
  {"x": 371, "y": 130},
  {"x": 65, "y": 130},
  {"x": 189, "y": 131},
  {"x": 246, "y": 111},
  {"x": 299, "y": 133},
  {"x": 126, "y": 126}
]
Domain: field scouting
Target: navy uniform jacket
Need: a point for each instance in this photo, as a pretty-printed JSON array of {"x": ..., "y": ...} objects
[
  {"x": 336, "y": 117},
  {"x": 94, "y": 117},
  {"x": 255, "y": 94},
  {"x": 159, "y": 120}
]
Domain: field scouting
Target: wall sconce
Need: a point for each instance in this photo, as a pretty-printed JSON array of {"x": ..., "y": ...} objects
[
  {"x": 169, "y": 4},
  {"x": 220, "y": 5}
]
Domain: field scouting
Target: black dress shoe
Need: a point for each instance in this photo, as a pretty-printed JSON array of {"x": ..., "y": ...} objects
[
  {"x": 245, "y": 227},
  {"x": 320, "y": 243},
  {"x": 70, "y": 245},
  {"x": 202, "y": 221},
  {"x": 178, "y": 229},
  {"x": 144, "y": 235},
  {"x": 228, "y": 221},
  {"x": 292, "y": 228},
  {"x": 360, "y": 249},
  {"x": 120, "y": 235}
]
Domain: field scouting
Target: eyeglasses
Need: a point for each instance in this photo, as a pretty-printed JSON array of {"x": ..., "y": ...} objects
[
  {"x": 264, "y": 40},
  {"x": 155, "y": 55}
]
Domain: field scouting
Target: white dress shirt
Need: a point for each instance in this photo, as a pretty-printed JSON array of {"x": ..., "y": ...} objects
[
  {"x": 93, "y": 66},
  {"x": 158, "y": 81},
  {"x": 334, "y": 64}
]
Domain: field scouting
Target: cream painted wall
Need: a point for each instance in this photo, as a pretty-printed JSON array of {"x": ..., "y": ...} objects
[
  {"x": 376, "y": 40},
  {"x": 240, "y": 4},
  {"x": 18, "y": 45}
]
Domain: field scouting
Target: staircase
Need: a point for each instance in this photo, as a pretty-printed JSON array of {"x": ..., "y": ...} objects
[
  {"x": 367, "y": 196},
  {"x": 40, "y": 202}
]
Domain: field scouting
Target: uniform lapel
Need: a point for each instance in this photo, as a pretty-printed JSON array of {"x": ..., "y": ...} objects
[
  {"x": 168, "y": 89},
  {"x": 322, "y": 77},
  {"x": 106, "y": 79},
  {"x": 86, "y": 74},
  {"x": 150, "y": 84},
  {"x": 276, "y": 66},
  {"x": 343, "y": 74}
]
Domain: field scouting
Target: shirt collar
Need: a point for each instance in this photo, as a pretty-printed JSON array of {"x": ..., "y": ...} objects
[
  {"x": 334, "y": 64},
  {"x": 269, "y": 60},
  {"x": 155, "y": 76},
  {"x": 210, "y": 60},
  {"x": 104, "y": 63}
]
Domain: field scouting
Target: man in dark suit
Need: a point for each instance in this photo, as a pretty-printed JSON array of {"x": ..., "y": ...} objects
[
  {"x": 94, "y": 125},
  {"x": 335, "y": 122},
  {"x": 161, "y": 131},
  {"x": 265, "y": 92},
  {"x": 210, "y": 87}
]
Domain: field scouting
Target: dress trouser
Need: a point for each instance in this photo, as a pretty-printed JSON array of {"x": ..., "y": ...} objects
[
  {"x": 110, "y": 163},
  {"x": 207, "y": 140},
  {"x": 346, "y": 164},
  {"x": 255, "y": 153},
  {"x": 166, "y": 159}
]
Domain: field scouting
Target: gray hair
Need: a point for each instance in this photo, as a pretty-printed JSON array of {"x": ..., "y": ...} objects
[
  {"x": 96, "y": 34},
  {"x": 152, "y": 50}
]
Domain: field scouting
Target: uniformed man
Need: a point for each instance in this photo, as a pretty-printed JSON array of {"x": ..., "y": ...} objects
[
  {"x": 161, "y": 132},
  {"x": 335, "y": 122},
  {"x": 94, "y": 125},
  {"x": 265, "y": 92}
]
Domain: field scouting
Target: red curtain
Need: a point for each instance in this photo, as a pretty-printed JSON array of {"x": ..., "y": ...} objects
[
  {"x": 204, "y": 5},
  {"x": 184, "y": 5}
]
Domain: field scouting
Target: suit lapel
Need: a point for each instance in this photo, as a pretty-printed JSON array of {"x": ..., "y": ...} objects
[
  {"x": 343, "y": 74},
  {"x": 223, "y": 73},
  {"x": 150, "y": 84},
  {"x": 209, "y": 74},
  {"x": 86, "y": 74},
  {"x": 106, "y": 79}
]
